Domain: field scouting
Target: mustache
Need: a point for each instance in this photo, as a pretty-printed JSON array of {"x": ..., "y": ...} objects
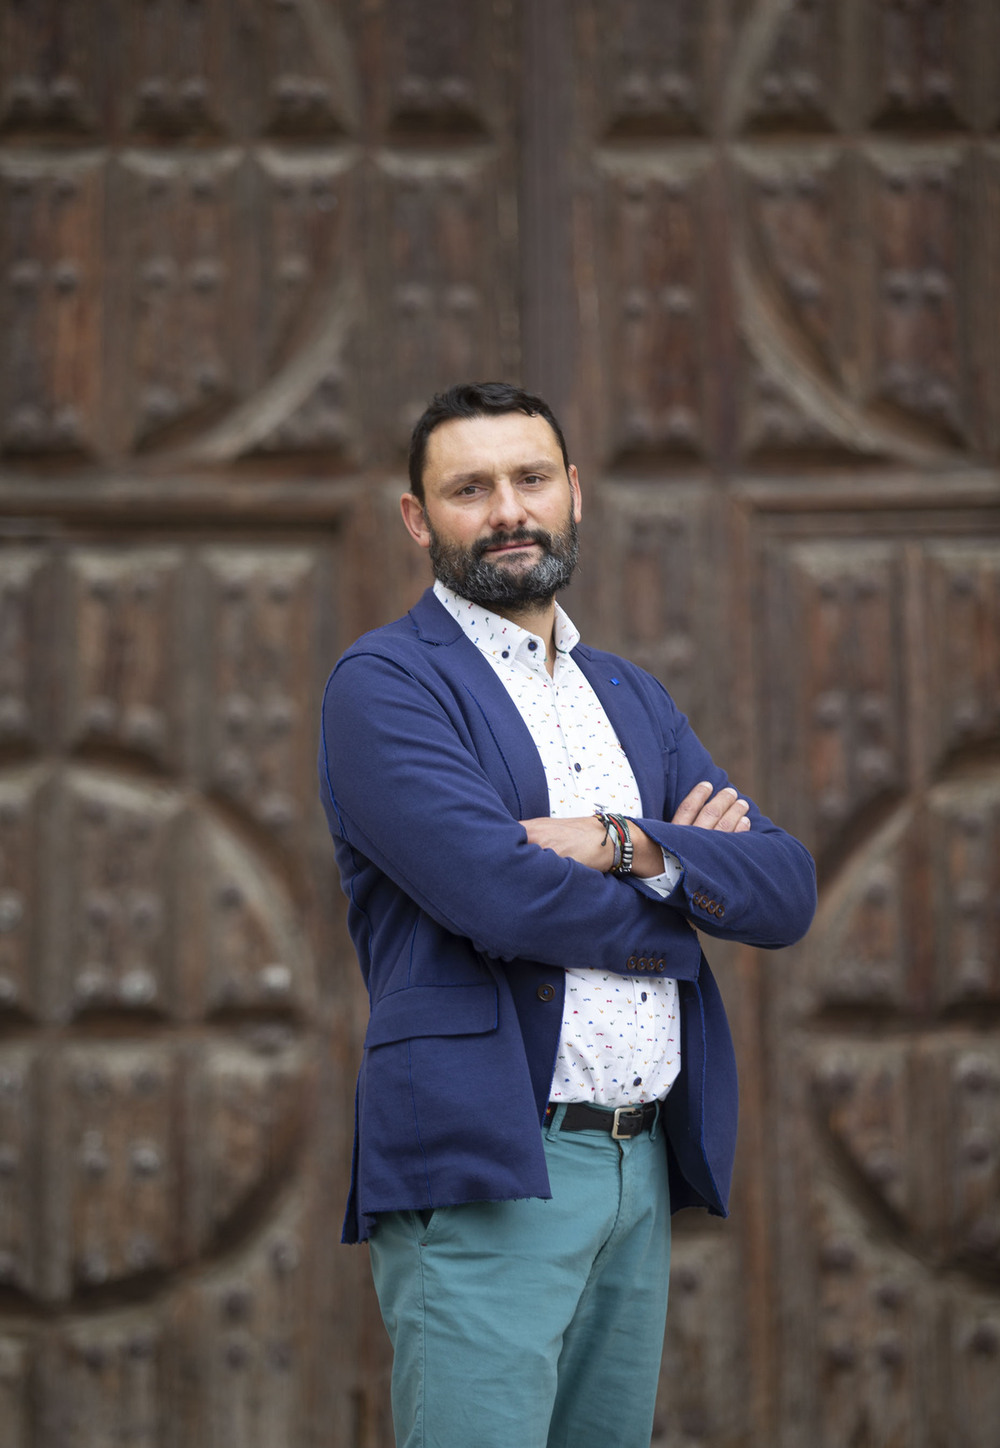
[{"x": 520, "y": 535}]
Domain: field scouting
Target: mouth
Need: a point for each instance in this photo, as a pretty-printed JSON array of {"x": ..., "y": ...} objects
[{"x": 510, "y": 547}]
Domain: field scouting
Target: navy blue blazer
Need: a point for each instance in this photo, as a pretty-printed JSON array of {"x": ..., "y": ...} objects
[{"x": 462, "y": 928}]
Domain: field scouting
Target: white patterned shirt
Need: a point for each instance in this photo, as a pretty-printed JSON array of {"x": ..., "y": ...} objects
[{"x": 620, "y": 1039}]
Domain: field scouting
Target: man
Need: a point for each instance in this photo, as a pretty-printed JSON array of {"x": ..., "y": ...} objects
[{"x": 529, "y": 835}]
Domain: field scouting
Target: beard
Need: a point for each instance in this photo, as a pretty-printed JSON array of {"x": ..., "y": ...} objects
[{"x": 469, "y": 573}]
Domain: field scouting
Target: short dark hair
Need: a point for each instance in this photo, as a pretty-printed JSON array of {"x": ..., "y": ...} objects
[{"x": 474, "y": 399}]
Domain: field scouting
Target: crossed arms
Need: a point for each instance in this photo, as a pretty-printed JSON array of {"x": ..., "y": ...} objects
[
  {"x": 411, "y": 803},
  {"x": 584, "y": 839}
]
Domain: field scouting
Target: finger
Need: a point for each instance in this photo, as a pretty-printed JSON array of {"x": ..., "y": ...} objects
[
  {"x": 712, "y": 811},
  {"x": 744, "y": 824},
  {"x": 733, "y": 816},
  {"x": 691, "y": 805}
]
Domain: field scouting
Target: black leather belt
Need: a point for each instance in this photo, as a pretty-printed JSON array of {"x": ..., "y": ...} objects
[{"x": 623, "y": 1122}]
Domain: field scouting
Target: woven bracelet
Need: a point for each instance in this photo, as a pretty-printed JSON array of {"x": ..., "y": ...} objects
[
  {"x": 607, "y": 821},
  {"x": 616, "y": 826},
  {"x": 624, "y": 866}
]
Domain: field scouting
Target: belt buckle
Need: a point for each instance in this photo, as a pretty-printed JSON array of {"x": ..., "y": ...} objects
[{"x": 635, "y": 1118}]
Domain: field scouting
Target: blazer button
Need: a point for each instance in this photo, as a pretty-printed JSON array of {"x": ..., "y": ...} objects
[
  {"x": 545, "y": 992},
  {"x": 631, "y": 962}
]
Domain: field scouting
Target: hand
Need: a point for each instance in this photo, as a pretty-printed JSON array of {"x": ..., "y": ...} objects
[
  {"x": 724, "y": 811},
  {"x": 584, "y": 839},
  {"x": 581, "y": 838}
]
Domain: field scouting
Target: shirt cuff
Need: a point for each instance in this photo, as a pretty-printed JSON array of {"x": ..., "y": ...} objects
[{"x": 672, "y": 872}]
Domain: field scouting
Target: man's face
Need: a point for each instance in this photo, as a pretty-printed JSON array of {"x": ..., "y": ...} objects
[{"x": 500, "y": 511}]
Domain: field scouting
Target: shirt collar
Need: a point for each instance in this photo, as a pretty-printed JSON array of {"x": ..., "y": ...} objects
[{"x": 497, "y": 636}]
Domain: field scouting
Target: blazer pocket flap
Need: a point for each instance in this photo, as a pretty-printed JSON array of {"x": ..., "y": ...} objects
[{"x": 433, "y": 1010}]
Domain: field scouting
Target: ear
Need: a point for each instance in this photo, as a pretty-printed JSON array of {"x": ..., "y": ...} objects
[
  {"x": 415, "y": 519},
  {"x": 574, "y": 487}
]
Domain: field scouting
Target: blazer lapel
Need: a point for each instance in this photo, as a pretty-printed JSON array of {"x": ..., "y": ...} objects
[
  {"x": 495, "y": 713},
  {"x": 631, "y": 721}
]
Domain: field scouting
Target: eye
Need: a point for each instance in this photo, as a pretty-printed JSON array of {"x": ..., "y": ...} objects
[{"x": 533, "y": 478}]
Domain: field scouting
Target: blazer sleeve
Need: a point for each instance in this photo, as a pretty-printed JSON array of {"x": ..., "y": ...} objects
[
  {"x": 757, "y": 887},
  {"x": 402, "y": 787}
]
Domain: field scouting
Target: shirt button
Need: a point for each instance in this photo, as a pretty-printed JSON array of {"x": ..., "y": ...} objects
[
  {"x": 578, "y": 767},
  {"x": 545, "y": 992},
  {"x": 637, "y": 1081},
  {"x": 505, "y": 654},
  {"x": 644, "y": 995},
  {"x": 532, "y": 645}
]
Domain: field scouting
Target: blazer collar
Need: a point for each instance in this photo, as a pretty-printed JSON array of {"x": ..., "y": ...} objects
[
  {"x": 509, "y": 733},
  {"x": 432, "y": 621}
]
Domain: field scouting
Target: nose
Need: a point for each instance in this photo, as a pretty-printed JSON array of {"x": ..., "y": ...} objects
[{"x": 507, "y": 510}]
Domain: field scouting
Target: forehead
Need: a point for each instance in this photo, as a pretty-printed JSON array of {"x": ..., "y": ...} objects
[{"x": 488, "y": 444}]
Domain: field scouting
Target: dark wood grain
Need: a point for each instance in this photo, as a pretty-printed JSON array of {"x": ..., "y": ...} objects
[{"x": 752, "y": 249}]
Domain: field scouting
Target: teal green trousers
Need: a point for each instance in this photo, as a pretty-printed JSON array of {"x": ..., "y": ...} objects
[{"x": 533, "y": 1324}]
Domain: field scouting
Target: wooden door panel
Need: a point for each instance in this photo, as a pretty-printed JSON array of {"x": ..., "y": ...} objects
[
  {"x": 53, "y": 323},
  {"x": 239, "y": 245},
  {"x": 656, "y": 281},
  {"x": 787, "y": 285},
  {"x": 837, "y": 688},
  {"x": 657, "y": 594},
  {"x": 163, "y": 1017},
  {"x": 887, "y": 1112},
  {"x": 439, "y": 222}
]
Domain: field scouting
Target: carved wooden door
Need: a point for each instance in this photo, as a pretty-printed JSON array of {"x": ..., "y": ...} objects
[
  {"x": 750, "y": 249},
  {"x": 234, "y": 255},
  {"x": 787, "y": 266}
]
